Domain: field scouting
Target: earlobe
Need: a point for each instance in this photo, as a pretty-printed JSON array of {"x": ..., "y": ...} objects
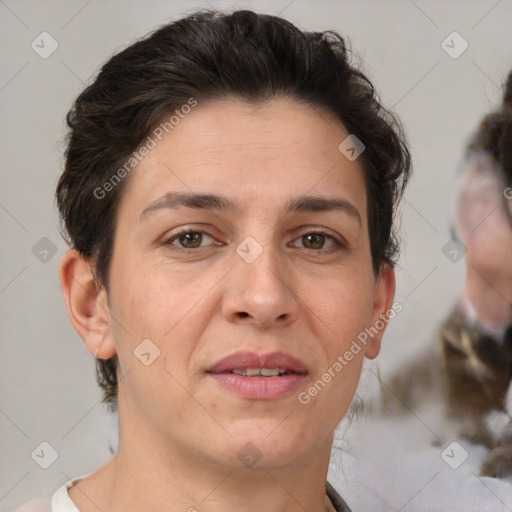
[
  {"x": 382, "y": 306},
  {"x": 87, "y": 304}
]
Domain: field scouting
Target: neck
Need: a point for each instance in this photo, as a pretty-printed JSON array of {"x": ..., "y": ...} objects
[
  {"x": 150, "y": 473},
  {"x": 496, "y": 331}
]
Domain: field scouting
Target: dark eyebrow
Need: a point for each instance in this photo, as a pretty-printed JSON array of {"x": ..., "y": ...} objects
[
  {"x": 318, "y": 204},
  {"x": 190, "y": 200},
  {"x": 215, "y": 202}
]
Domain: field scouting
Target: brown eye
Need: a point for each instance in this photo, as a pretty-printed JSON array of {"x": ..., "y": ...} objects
[
  {"x": 188, "y": 240},
  {"x": 313, "y": 240},
  {"x": 191, "y": 240},
  {"x": 316, "y": 241}
]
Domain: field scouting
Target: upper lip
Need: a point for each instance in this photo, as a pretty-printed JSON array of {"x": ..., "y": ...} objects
[{"x": 243, "y": 360}]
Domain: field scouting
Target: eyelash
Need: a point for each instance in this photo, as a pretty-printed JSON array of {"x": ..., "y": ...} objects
[{"x": 338, "y": 244}]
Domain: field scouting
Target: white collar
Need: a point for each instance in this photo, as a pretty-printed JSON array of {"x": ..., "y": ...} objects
[
  {"x": 471, "y": 316},
  {"x": 61, "y": 502}
]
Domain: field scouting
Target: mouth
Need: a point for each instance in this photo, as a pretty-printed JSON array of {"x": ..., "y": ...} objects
[
  {"x": 261, "y": 372},
  {"x": 252, "y": 364},
  {"x": 259, "y": 376}
]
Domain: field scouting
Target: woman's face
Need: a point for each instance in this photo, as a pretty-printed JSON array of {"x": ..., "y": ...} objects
[
  {"x": 484, "y": 227},
  {"x": 273, "y": 274}
]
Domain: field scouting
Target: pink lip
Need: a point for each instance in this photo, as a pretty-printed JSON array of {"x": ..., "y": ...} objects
[{"x": 260, "y": 388}]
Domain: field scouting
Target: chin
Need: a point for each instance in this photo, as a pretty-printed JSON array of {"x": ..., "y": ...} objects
[{"x": 265, "y": 444}]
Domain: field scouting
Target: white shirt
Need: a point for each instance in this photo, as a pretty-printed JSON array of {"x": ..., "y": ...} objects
[{"x": 61, "y": 502}]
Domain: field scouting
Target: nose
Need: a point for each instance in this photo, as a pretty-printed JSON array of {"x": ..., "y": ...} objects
[{"x": 260, "y": 293}]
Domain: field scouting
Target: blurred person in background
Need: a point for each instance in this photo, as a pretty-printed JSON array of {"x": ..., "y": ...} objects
[{"x": 471, "y": 364}]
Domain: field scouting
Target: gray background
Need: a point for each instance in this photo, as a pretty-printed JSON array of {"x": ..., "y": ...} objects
[{"x": 47, "y": 376}]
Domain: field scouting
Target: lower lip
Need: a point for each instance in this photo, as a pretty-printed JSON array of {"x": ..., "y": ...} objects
[{"x": 260, "y": 388}]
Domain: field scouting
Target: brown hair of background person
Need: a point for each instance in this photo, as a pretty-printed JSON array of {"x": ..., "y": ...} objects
[{"x": 210, "y": 55}]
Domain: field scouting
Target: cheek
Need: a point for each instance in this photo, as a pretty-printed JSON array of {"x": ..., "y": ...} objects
[
  {"x": 144, "y": 314},
  {"x": 344, "y": 309},
  {"x": 155, "y": 300},
  {"x": 340, "y": 313},
  {"x": 169, "y": 308},
  {"x": 156, "y": 335},
  {"x": 330, "y": 392}
]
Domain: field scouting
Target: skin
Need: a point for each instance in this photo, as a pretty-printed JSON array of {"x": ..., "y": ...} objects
[
  {"x": 179, "y": 431},
  {"x": 486, "y": 231}
]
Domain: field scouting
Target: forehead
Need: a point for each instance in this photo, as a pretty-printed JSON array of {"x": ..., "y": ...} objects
[
  {"x": 261, "y": 154},
  {"x": 479, "y": 174},
  {"x": 480, "y": 199}
]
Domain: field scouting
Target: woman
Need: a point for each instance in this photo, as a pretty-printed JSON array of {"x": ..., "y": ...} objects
[
  {"x": 470, "y": 368},
  {"x": 229, "y": 191},
  {"x": 476, "y": 338}
]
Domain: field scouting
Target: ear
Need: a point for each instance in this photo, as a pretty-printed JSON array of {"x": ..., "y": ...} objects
[
  {"x": 87, "y": 304},
  {"x": 382, "y": 306}
]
